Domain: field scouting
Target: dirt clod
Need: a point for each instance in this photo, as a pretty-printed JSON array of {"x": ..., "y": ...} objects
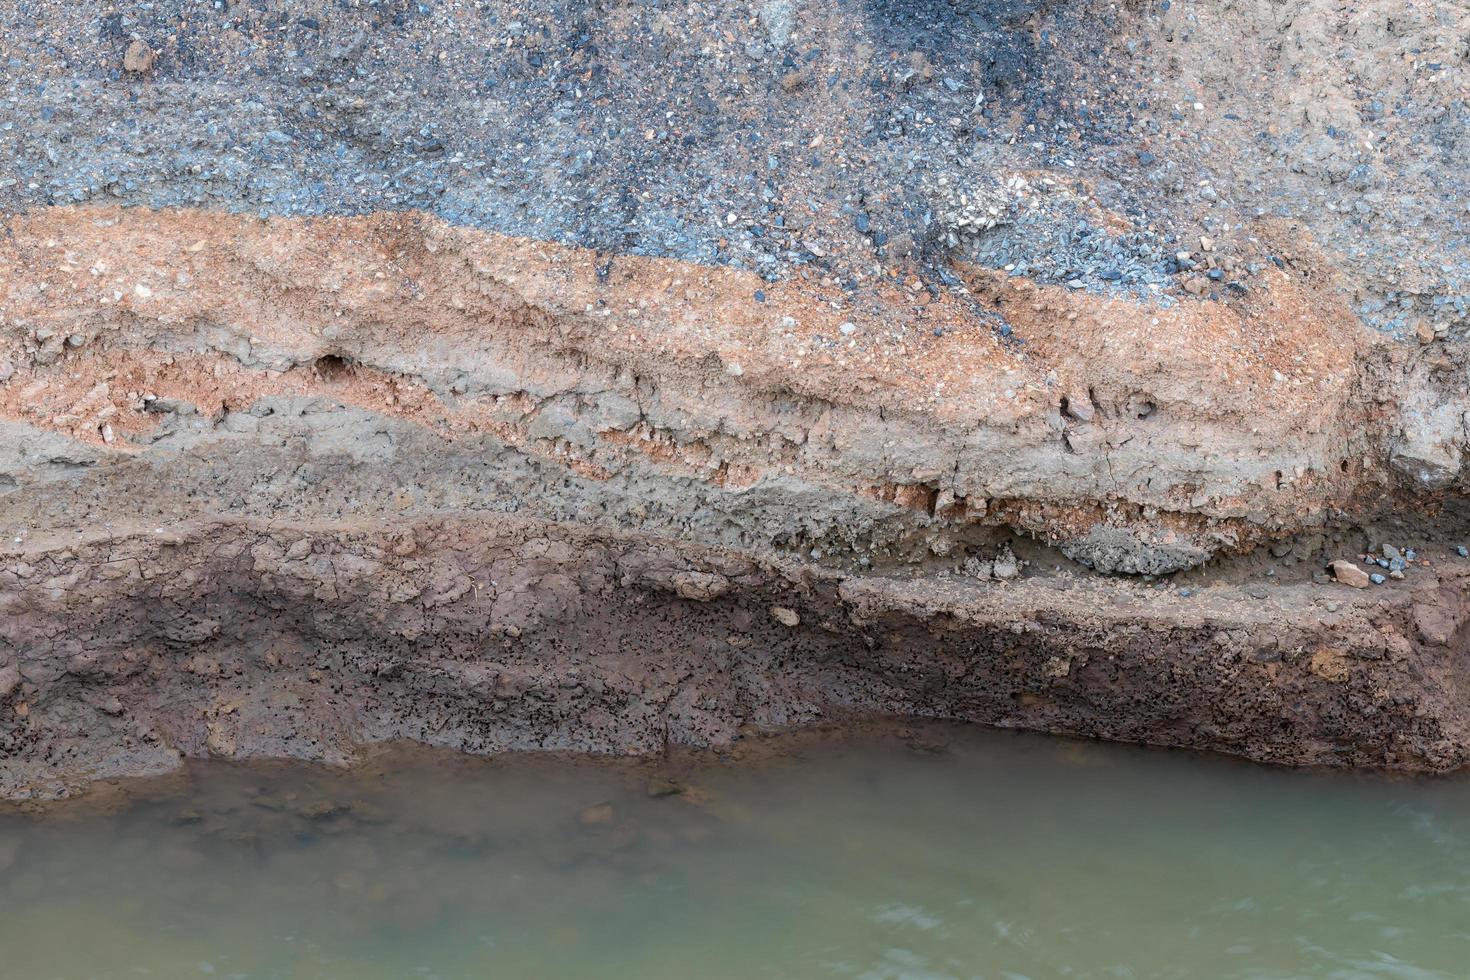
[{"x": 139, "y": 58}]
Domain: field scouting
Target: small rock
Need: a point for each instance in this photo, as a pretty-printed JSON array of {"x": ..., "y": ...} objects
[
  {"x": 1006, "y": 566},
  {"x": 1397, "y": 573},
  {"x": 1391, "y": 553},
  {"x": 661, "y": 786},
  {"x": 1079, "y": 405},
  {"x": 1377, "y": 579},
  {"x": 1462, "y": 551},
  {"x": 784, "y": 616},
  {"x": 219, "y": 740},
  {"x": 976, "y": 568},
  {"x": 597, "y": 815},
  {"x": 700, "y": 586},
  {"x": 6, "y": 370},
  {"x": 323, "y": 810},
  {"x": 1349, "y": 574},
  {"x": 139, "y": 58},
  {"x": 848, "y": 328}
]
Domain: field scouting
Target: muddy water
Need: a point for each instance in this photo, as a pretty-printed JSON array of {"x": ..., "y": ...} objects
[{"x": 952, "y": 854}]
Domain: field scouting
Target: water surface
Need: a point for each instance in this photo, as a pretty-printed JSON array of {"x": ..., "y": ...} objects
[{"x": 956, "y": 854}]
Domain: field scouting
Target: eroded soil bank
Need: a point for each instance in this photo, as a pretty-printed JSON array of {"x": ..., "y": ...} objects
[
  {"x": 285, "y": 488},
  {"x": 532, "y": 375}
]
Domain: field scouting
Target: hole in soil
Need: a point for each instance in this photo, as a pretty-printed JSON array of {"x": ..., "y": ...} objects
[{"x": 333, "y": 367}]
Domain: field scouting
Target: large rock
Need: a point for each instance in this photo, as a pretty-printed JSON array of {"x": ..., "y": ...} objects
[{"x": 1429, "y": 446}]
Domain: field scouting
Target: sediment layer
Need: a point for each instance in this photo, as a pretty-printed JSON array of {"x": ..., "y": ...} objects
[
  {"x": 1136, "y": 438},
  {"x": 245, "y": 639},
  {"x": 443, "y": 485}
]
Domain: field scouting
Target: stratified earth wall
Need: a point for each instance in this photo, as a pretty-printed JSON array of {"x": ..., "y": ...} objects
[{"x": 617, "y": 376}]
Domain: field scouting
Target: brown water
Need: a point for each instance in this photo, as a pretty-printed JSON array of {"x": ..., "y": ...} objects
[{"x": 970, "y": 854}]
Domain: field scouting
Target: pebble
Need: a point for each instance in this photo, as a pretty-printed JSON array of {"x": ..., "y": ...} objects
[
  {"x": 1462, "y": 551},
  {"x": 661, "y": 786},
  {"x": 597, "y": 815},
  {"x": 1377, "y": 579},
  {"x": 785, "y": 616}
]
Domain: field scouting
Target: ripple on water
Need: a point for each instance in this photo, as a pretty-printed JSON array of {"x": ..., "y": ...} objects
[{"x": 950, "y": 853}]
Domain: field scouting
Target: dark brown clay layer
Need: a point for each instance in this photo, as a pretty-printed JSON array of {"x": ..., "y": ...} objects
[{"x": 247, "y": 640}]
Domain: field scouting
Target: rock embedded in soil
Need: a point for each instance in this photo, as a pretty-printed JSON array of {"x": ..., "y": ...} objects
[
  {"x": 139, "y": 58},
  {"x": 786, "y": 617},
  {"x": 1349, "y": 574}
]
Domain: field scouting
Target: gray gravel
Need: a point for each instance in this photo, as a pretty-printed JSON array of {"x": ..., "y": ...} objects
[{"x": 786, "y": 137}]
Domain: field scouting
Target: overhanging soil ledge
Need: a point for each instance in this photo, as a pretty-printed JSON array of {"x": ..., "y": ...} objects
[{"x": 246, "y": 639}]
